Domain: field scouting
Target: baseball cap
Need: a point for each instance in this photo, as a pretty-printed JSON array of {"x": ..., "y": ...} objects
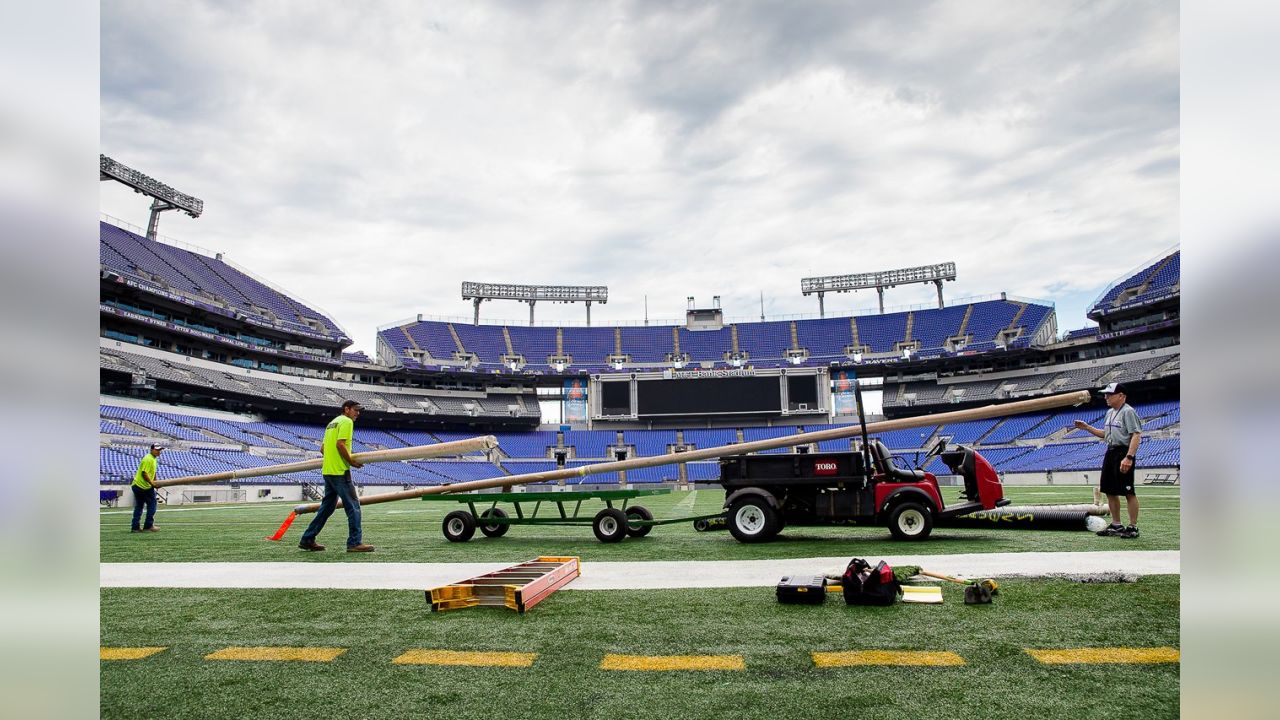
[
  {"x": 157, "y": 447},
  {"x": 1114, "y": 388}
]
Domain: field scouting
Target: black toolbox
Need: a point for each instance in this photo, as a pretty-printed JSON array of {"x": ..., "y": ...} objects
[{"x": 802, "y": 590}]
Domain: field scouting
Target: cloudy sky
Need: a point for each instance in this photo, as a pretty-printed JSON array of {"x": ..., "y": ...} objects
[{"x": 368, "y": 157}]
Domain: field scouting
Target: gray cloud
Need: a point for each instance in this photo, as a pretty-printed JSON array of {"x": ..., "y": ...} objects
[{"x": 661, "y": 148}]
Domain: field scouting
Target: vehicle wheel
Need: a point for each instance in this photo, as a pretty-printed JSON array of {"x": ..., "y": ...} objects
[
  {"x": 459, "y": 526},
  {"x": 493, "y": 529},
  {"x": 910, "y": 521},
  {"x": 701, "y": 525},
  {"x": 752, "y": 519},
  {"x": 638, "y": 512},
  {"x": 610, "y": 525}
]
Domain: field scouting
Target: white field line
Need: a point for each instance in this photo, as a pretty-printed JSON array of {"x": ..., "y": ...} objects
[
  {"x": 686, "y": 505},
  {"x": 618, "y": 575}
]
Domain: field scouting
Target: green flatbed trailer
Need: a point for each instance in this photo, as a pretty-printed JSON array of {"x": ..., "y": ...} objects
[{"x": 610, "y": 525}]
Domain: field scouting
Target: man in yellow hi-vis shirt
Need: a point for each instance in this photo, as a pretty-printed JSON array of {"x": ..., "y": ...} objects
[
  {"x": 143, "y": 491},
  {"x": 337, "y": 482}
]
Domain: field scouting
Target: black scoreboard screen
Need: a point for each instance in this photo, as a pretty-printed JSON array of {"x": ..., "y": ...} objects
[
  {"x": 706, "y": 396},
  {"x": 615, "y": 398}
]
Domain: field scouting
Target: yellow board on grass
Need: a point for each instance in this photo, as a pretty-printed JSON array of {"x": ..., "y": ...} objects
[
  {"x": 1106, "y": 655},
  {"x": 128, "y": 653},
  {"x": 852, "y": 658},
  {"x": 277, "y": 654},
  {"x": 460, "y": 657},
  {"x": 672, "y": 662}
]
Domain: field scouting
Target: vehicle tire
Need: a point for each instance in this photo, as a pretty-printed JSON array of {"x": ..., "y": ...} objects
[
  {"x": 459, "y": 526},
  {"x": 493, "y": 529},
  {"x": 753, "y": 520},
  {"x": 610, "y": 525},
  {"x": 910, "y": 521},
  {"x": 638, "y": 512}
]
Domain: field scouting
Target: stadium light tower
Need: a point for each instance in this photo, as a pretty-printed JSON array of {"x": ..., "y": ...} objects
[
  {"x": 479, "y": 292},
  {"x": 162, "y": 196},
  {"x": 879, "y": 280}
]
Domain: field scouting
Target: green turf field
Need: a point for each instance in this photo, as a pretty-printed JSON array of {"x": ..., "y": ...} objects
[
  {"x": 409, "y": 531},
  {"x": 573, "y": 630}
]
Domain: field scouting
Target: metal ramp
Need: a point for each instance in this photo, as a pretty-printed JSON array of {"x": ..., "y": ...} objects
[{"x": 518, "y": 587}]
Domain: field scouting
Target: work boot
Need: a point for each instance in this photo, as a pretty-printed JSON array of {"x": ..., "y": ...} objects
[
  {"x": 360, "y": 548},
  {"x": 312, "y": 546},
  {"x": 153, "y": 528}
]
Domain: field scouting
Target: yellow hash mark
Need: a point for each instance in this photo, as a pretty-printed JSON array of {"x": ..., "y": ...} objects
[
  {"x": 131, "y": 653},
  {"x": 672, "y": 662},
  {"x": 1106, "y": 655},
  {"x": 284, "y": 654},
  {"x": 885, "y": 657},
  {"x": 457, "y": 657}
]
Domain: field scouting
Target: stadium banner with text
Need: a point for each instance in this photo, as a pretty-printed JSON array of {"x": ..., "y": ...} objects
[
  {"x": 842, "y": 398},
  {"x": 575, "y": 400}
]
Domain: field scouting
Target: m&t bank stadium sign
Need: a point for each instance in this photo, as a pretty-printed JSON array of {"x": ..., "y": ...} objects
[{"x": 699, "y": 373}]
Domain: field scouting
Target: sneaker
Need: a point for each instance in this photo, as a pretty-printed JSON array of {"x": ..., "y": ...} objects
[
  {"x": 360, "y": 548},
  {"x": 312, "y": 547},
  {"x": 1112, "y": 530},
  {"x": 1129, "y": 532},
  {"x": 153, "y": 528}
]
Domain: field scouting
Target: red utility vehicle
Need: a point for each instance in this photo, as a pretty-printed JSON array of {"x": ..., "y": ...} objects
[{"x": 765, "y": 493}]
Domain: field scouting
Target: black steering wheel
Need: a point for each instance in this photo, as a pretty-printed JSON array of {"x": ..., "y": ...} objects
[{"x": 937, "y": 449}]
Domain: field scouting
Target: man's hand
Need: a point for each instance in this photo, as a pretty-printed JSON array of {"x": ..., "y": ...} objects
[
  {"x": 1126, "y": 465},
  {"x": 356, "y": 463},
  {"x": 1081, "y": 425}
]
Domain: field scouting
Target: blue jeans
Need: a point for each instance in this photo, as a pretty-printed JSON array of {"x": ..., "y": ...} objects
[
  {"x": 337, "y": 487},
  {"x": 143, "y": 497}
]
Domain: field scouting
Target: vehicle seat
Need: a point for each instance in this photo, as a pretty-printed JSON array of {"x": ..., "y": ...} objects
[
  {"x": 961, "y": 462},
  {"x": 884, "y": 464}
]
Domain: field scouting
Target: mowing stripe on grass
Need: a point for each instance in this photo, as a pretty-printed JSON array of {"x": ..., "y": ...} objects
[
  {"x": 128, "y": 653},
  {"x": 885, "y": 657},
  {"x": 281, "y": 654},
  {"x": 458, "y": 657},
  {"x": 1115, "y": 655},
  {"x": 672, "y": 662}
]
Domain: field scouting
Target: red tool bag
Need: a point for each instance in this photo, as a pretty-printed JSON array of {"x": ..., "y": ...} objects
[{"x": 866, "y": 585}]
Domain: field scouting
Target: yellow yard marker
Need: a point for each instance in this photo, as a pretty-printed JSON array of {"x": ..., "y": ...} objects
[
  {"x": 1115, "y": 655},
  {"x": 672, "y": 662},
  {"x": 852, "y": 658},
  {"x": 457, "y": 657},
  {"x": 128, "y": 653},
  {"x": 277, "y": 654}
]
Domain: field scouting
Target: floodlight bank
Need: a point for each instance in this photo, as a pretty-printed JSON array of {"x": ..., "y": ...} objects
[
  {"x": 982, "y": 413},
  {"x": 417, "y": 452}
]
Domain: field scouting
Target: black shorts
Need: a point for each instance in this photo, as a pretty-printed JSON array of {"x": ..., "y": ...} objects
[{"x": 1115, "y": 482}]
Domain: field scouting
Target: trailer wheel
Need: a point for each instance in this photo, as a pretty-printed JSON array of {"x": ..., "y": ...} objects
[
  {"x": 459, "y": 526},
  {"x": 610, "y": 525},
  {"x": 493, "y": 529},
  {"x": 910, "y": 521},
  {"x": 638, "y": 512},
  {"x": 752, "y": 520}
]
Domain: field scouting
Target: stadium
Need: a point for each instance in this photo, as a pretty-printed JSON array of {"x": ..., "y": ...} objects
[
  {"x": 590, "y": 512},
  {"x": 228, "y": 372}
]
